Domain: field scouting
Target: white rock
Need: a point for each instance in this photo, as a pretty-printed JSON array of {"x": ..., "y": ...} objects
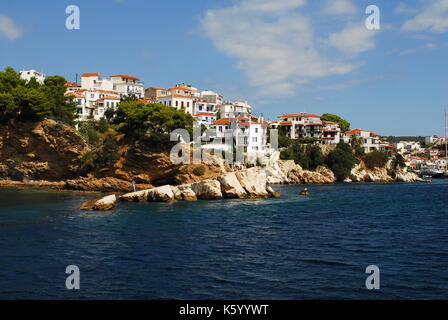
[
  {"x": 231, "y": 187},
  {"x": 207, "y": 189}
]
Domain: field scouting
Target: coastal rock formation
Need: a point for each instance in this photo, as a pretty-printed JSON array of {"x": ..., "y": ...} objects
[
  {"x": 361, "y": 174},
  {"x": 253, "y": 181},
  {"x": 408, "y": 177},
  {"x": 45, "y": 150},
  {"x": 207, "y": 189},
  {"x": 250, "y": 183},
  {"x": 272, "y": 193},
  {"x": 186, "y": 192},
  {"x": 161, "y": 194},
  {"x": 290, "y": 172},
  {"x": 103, "y": 204},
  {"x": 231, "y": 187}
]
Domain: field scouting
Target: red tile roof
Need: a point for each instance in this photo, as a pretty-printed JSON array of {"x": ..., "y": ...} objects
[
  {"x": 96, "y": 74},
  {"x": 303, "y": 115},
  {"x": 72, "y": 84},
  {"x": 125, "y": 76},
  {"x": 357, "y": 131}
]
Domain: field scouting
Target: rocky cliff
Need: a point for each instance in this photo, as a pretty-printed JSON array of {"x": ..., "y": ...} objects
[
  {"x": 48, "y": 153},
  {"x": 45, "y": 150},
  {"x": 286, "y": 171}
]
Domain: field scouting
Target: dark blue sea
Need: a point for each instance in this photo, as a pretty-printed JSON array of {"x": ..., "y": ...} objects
[{"x": 294, "y": 247}]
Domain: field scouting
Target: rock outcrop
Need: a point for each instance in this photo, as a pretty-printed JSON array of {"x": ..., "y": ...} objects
[
  {"x": 408, "y": 177},
  {"x": 46, "y": 150},
  {"x": 103, "y": 204},
  {"x": 250, "y": 183},
  {"x": 287, "y": 171},
  {"x": 207, "y": 189},
  {"x": 253, "y": 181},
  {"x": 231, "y": 187}
]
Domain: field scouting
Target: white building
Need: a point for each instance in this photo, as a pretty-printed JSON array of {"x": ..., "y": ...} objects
[
  {"x": 249, "y": 133},
  {"x": 434, "y": 140},
  {"x": 125, "y": 85},
  {"x": 205, "y": 118},
  {"x": 212, "y": 97},
  {"x": 72, "y": 86},
  {"x": 179, "y": 101},
  {"x": 234, "y": 109},
  {"x": 307, "y": 125},
  {"x": 28, "y": 74},
  {"x": 369, "y": 140},
  {"x": 93, "y": 104}
]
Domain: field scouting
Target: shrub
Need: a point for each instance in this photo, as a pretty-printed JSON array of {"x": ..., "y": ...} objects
[
  {"x": 308, "y": 157},
  {"x": 199, "y": 171},
  {"x": 341, "y": 161},
  {"x": 375, "y": 159}
]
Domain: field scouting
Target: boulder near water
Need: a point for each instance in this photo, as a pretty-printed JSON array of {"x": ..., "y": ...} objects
[
  {"x": 103, "y": 204},
  {"x": 207, "y": 189},
  {"x": 231, "y": 187}
]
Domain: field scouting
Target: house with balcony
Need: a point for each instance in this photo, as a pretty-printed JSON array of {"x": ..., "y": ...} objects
[
  {"x": 205, "y": 118},
  {"x": 369, "y": 140},
  {"x": 308, "y": 126},
  {"x": 248, "y": 134},
  {"x": 234, "y": 109},
  {"x": 125, "y": 85}
]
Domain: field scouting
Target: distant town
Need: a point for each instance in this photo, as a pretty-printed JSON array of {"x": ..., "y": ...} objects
[{"x": 97, "y": 93}]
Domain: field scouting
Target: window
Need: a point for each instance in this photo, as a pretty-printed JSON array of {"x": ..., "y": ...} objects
[
  {"x": 181, "y": 104},
  {"x": 169, "y": 103},
  {"x": 177, "y": 103},
  {"x": 254, "y": 139},
  {"x": 220, "y": 129},
  {"x": 256, "y": 130}
]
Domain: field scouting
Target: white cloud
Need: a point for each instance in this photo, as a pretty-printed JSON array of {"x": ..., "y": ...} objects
[
  {"x": 8, "y": 28},
  {"x": 403, "y": 8},
  {"x": 353, "y": 39},
  {"x": 338, "y": 7},
  {"x": 433, "y": 17},
  {"x": 274, "y": 44}
]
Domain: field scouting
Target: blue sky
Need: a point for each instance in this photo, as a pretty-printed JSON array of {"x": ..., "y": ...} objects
[{"x": 283, "y": 56}]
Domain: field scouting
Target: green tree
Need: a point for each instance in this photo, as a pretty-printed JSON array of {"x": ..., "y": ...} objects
[
  {"x": 138, "y": 119},
  {"x": 341, "y": 160},
  {"x": 343, "y": 124},
  {"x": 33, "y": 101}
]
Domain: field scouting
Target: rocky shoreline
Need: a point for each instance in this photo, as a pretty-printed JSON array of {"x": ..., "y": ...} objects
[
  {"x": 249, "y": 183},
  {"x": 246, "y": 184}
]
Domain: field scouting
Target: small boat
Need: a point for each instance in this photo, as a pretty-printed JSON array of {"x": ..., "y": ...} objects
[
  {"x": 348, "y": 180},
  {"x": 304, "y": 192}
]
